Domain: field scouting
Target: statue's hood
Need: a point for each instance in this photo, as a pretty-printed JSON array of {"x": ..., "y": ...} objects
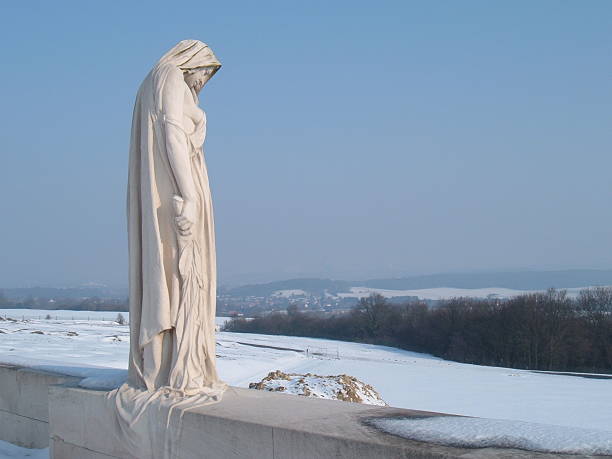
[{"x": 191, "y": 54}]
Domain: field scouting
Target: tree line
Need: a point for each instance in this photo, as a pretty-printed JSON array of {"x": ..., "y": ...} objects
[
  {"x": 75, "y": 304},
  {"x": 538, "y": 331}
]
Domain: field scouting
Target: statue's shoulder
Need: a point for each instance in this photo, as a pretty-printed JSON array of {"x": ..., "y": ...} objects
[
  {"x": 172, "y": 78},
  {"x": 172, "y": 71}
]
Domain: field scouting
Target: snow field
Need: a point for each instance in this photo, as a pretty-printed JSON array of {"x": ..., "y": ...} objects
[
  {"x": 493, "y": 433},
  {"x": 98, "y": 350},
  {"x": 10, "y": 451}
]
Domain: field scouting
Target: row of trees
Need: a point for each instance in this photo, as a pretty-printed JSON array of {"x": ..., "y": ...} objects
[
  {"x": 76, "y": 304},
  {"x": 543, "y": 331}
]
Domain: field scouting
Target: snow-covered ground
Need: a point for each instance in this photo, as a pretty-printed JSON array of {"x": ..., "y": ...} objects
[
  {"x": 10, "y": 451},
  {"x": 337, "y": 387},
  {"x": 62, "y": 314},
  {"x": 65, "y": 314},
  {"x": 98, "y": 349},
  {"x": 466, "y": 432},
  {"x": 443, "y": 293}
]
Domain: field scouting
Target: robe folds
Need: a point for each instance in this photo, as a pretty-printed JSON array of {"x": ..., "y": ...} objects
[
  {"x": 172, "y": 278},
  {"x": 158, "y": 298}
]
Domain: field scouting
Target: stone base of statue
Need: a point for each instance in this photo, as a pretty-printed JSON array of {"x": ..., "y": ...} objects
[
  {"x": 246, "y": 423},
  {"x": 148, "y": 423},
  {"x": 253, "y": 424}
]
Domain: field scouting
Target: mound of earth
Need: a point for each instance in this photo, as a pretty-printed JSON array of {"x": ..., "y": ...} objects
[{"x": 341, "y": 387}]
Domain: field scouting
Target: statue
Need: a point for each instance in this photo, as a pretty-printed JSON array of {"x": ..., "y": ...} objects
[
  {"x": 172, "y": 272},
  {"x": 171, "y": 229}
]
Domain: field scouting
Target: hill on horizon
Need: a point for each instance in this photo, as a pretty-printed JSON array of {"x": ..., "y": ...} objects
[{"x": 516, "y": 280}]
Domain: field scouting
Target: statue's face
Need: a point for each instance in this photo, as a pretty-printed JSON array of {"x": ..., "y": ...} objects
[{"x": 197, "y": 78}]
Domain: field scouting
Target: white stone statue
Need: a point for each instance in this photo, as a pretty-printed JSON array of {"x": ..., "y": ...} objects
[
  {"x": 171, "y": 229},
  {"x": 171, "y": 251}
]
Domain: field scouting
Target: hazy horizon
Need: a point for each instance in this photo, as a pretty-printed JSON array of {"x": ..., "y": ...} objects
[
  {"x": 470, "y": 276},
  {"x": 348, "y": 140}
]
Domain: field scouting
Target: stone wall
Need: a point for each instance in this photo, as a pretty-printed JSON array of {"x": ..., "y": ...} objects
[
  {"x": 24, "y": 405},
  {"x": 36, "y": 406},
  {"x": 253, "y": 424}
]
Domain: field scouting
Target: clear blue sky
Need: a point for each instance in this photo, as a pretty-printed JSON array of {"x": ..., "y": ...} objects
[{"x": 346, "y": 139}]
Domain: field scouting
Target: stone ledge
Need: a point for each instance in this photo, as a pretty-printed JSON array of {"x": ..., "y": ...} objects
[
  {"x": 24, "y": 404},
  {"x": 61, "y": 449},
  {"x": 256, "y": 424},
  {"x": 23, "y": 431},
  {"x": 246, "y": 424}
]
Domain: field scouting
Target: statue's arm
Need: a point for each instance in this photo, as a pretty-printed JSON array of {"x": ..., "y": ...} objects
[
  {"x": 177, "y": 148},
  {"x": 176, "y": 141}
]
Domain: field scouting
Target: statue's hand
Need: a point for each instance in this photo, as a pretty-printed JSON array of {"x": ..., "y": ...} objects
[{"x": 186, "y": 220}]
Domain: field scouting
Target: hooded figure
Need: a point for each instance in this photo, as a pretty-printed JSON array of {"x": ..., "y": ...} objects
[
  {"x": 172, "y": 260},
  {"x": 172, "y": 272}
]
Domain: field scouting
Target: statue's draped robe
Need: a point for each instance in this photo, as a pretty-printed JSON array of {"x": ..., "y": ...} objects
[
  {"x": 172, "y": 278},
  {"x": 156, "y": 310}
]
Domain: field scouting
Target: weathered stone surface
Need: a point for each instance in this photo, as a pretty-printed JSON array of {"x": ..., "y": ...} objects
[
  {"x": 24, "y": 391},
  {"x": 257, "y": 424},
  {"x": 9, "y": 395},
  {"x": 22, "y": 431},
  {"x": 60, "y": 450},
  {"x": 82, "y": 418},
  {"x": 24, "y": 404}
]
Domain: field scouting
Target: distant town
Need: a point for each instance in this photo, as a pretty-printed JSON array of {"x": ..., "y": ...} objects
[
  {"x": 323, "y": 296},
  {"x": 228, "y": 304}
]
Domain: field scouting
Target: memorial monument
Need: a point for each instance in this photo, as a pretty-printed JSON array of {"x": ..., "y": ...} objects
[{"x": 172, "y": 264}]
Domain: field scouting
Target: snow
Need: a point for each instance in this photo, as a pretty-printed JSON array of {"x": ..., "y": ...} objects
[
  {"x": 63, "y": 314},
  {"x": 494, "y": 433},
  {"x": 66, "y": 314},
  {"x": 99, "y": 352},
  {"x": 338, "y": 387},
  {"x": 10, "y": 451}
]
